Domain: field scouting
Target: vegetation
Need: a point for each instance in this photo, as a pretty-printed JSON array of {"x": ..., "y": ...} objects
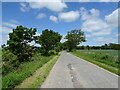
[
  {"x": 48, "y": 40},
  {"x": 109, "y": 46},
  {"x": 20, "y": 59},
  {"x": 74, "y": 38},
  {"x": 36, "y": 80},
  {"x": 103, "y": 58},
  {"x": 25, "y": 70}
]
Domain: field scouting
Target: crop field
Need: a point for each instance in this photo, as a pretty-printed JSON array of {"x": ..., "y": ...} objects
[
  {"x": 109, "y": 52},
  {"x": 107, "y": 59}
]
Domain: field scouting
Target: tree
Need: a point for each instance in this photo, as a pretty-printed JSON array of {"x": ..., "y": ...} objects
[
  {"x": 19, "y": 40},
  {"x": 88, "y": 47},
  {"x": 74, "y": 38},
  {"x": 48, "y": 39},
  {"x": 58, "y": 47}
]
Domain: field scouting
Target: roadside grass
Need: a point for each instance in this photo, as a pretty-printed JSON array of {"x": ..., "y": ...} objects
[
  {"x": 25, "y": 70},
  {"x": 36, "y": 80},
  {"x": 101, "y": 58}
]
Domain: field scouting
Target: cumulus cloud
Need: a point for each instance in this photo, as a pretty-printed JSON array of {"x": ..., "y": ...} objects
[
  {"x": 83, "y": 0},
  {"x": 69, "y": 16},
  {"x": 95, "y": 25},
  {"x": 108, "y": 0},
  {"x": 41, "y": 15},
  {"x": 6, "y": 29},
  {"x": 24, "y": 7},
  {"x": 14, "y": 21},
  {"x": 112, "y": 19},
  {"x": 9, "y": 24},
  {"x": 103, "y": 40},
  {"x": 53, "y": 5},
  {"x": 98, "y": 0},
  {"x": 53, "y": 18}
]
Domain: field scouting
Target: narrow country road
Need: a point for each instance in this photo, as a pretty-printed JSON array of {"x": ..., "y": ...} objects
[{"x": 73, "y": 72}]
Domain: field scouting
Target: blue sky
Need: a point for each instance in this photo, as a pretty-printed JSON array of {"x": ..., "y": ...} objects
[{"x": 97, "y": 19}]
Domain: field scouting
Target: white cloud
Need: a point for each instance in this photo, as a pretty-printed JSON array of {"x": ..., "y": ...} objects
[
  {"x": 100, "y": 33},
  {"x": 108, "y": 0},
  {"x": 118, "y": 34},
  {"x": 83, "y": 0},
  {"x": 103, "y": 40},
  {"x": 98, "y": 0},
  {"x": 69, "y": 16},
  {"x": 88, "y": 35},
  {"x": 14, "y": 21},
  {"x": 95, "y": 25},
  {"x": 5, "y": 30},
  {"x": 37, "y": 34},
  {"x": 53, "y": 5},
  {"x": 53, "y": 18},
  {"x": 112, "y": 19},
  {"x": 4, "y": 39},
  {"x": 94, "y": 12},
  {"x": 41, "y": 15},
  {"x": 9, "y": 24},
  {"x": 63, "y": 39},
  {"x": 24, "y": 7}
]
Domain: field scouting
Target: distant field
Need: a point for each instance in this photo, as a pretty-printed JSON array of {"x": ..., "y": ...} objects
[
  {"x": 108, "y": 59},
  {"x": 109, "y": 52}
]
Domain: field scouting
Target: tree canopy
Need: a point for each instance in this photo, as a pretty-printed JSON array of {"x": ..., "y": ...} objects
[
  {"x": 48, "y": 39},
  {"x": 74, "y": 38},
  {"x": 19, "y": 40}
]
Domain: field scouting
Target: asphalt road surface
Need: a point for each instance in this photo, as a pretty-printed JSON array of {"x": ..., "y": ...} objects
[{"x": 73, "y": 72}]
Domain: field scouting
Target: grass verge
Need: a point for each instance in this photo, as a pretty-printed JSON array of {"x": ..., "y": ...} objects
[
  {"x": 98, "y": 61},
  {"x": 36, "y": 80},
  {"x": 26, "y": 69}
]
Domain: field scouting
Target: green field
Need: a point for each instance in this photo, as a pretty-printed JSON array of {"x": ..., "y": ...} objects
[
  {"x": 109, "y": 52},
  {"x": 107, "y": 59}
]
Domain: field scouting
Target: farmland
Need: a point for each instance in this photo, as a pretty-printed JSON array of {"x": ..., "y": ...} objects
[{"x": 107, "y": 59}]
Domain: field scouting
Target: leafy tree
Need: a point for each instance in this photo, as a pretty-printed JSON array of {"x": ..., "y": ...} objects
[
  {"x": 19, "y": 40},
  {"x": 74, "y": 38},
  {"x": 48, "y": 39},
  {"x": 114, "y": 46},
  {"x": 58, "y": 47},
  {"x": 64, "y": 46},
  {"x": 88, "y": 47}
]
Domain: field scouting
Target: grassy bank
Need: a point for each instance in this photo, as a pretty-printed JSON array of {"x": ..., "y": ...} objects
[
  {"x": 25, "y": 70},
  {"x": 36, "y": 80},
  {"x": 107, "y": 59}
]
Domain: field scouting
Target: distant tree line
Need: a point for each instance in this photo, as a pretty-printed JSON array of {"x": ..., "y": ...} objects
[{"x": 103, "y": 47}]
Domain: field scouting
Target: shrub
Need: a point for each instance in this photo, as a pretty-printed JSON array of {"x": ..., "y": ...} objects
[
  {"x": 9, "y": 61},
  {"x": 53, "y": 52}
]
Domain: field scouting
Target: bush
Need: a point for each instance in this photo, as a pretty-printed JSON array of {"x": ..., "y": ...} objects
[
  {"x": 9, "y": 61},
  {"x": 53, "y": 52}
]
